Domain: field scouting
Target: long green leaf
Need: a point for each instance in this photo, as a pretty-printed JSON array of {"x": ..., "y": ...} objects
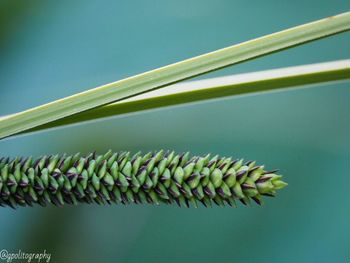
[
  {"x": 235, "y": 85},
  {"x": 172, "y": 73}
]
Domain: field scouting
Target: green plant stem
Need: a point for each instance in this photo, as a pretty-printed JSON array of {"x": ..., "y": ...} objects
[
  {"x": 235, "y": 85},
  {"x": 172, "y": 73}
]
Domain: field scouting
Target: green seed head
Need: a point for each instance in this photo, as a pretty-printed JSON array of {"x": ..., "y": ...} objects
[{"x": 153, "y": 178}]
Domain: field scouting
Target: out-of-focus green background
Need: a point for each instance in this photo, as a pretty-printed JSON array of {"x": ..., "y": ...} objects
[{"x": 51, "y": 49}]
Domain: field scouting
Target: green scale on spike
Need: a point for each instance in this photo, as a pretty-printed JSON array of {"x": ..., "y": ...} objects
[{"x": 121, "y": 178}]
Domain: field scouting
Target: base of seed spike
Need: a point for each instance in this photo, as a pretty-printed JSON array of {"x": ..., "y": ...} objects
[{"x": 121, "y": 178}]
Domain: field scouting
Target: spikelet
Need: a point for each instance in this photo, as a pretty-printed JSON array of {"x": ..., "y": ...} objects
[{"x": 120, "y": 178}]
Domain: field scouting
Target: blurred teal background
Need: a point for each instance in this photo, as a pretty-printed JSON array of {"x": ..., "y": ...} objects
[{"x": 51, "y": 49}]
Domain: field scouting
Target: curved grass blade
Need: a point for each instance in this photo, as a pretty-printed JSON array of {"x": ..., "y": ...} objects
[
  {"x": 172, "y": 73},
  {"x": 235, "y": 85}
]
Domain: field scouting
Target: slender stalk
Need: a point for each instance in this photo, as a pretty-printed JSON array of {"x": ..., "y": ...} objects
[
  {"x": 235, "y": 85},
  {"x": 172, "y": 73}
]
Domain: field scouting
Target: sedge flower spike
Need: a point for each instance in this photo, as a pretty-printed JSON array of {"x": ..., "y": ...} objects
[{"x": 121, "y": 178}]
